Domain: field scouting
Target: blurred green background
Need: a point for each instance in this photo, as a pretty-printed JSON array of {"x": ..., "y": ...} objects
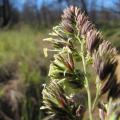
[{"x": 23, "y": 68}]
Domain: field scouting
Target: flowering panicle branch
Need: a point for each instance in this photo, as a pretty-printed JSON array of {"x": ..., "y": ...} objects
[
  {"x": 76, "y": 37},
  {"x": 102, "y": 51}
]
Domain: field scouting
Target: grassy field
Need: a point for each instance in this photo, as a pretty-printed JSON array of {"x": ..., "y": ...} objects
[
  {"x": 21, "y": 55},
  {"x": 24, "y": 46},
  {"x": 112, "y": 33},
  {"x": 20, "y": 43}
]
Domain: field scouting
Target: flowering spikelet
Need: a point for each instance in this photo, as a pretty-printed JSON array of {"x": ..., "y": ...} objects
[
  {"x": 87, "y": 26},
  {"x": 59, "y": 106},
  {"x": 59, "y": 39},
  {"x": 81, "y": 19},
  {"x": 93, "y": 40},
  {"x": 63, "y": 68},
  {"x": 104, "y": 59},
  {"x": 68, "y": 19},
  {"x": 105, "y": 64}
]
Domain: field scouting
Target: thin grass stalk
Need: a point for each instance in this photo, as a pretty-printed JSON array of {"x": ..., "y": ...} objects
[
  {"x": 97, "y": 96},
  {"x": 86, "y": 82}
]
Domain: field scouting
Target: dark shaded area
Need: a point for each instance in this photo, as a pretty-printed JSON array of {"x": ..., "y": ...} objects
[{"x": 5, "y": 11}]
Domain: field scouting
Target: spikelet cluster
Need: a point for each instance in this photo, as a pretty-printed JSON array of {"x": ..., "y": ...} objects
[
  {"x": 59, "y": 106},
  {"x": 83, "y": 26},
  {"x": 63, "y": 68},
  {"x": 102, "y": 52}
]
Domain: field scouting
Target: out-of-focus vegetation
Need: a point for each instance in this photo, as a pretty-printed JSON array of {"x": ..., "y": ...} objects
[
  {"x": 22, "y": 72},
  {"x": 23, "y": 67},
  {"x": 112, "y": 33}
]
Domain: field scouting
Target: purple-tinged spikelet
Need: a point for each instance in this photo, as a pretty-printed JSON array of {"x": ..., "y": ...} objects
[
  {"x": 104, "y": 59},
  {"x": 105, "y": 65},
  {"x": 68, "y": 19},
  {"x": 93, "y": 40}
]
